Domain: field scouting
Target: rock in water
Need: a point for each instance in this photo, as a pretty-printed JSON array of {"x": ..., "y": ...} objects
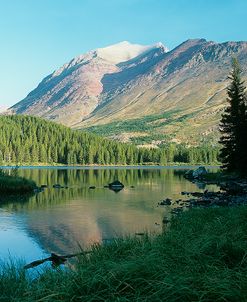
[
  {"x": 198, "y": 173},
  {"x": 188, "y": 175},
  {"x": 116, "y": 186},
  {"x": 166, "y": 202},
  {"x": 57, "y": 186}
]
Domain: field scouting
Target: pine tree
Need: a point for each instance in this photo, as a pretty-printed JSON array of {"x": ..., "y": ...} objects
[
  {"x": 26, "y": 139},
  {"x": 233, "y": 124}
]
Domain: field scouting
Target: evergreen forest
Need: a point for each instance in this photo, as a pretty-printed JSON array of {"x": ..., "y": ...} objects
[{"x": 32, "y": 140}]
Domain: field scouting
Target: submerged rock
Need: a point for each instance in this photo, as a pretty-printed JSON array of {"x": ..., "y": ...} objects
[
  {"x": 57, "y": 186},
  {"x": 197, "y": 194},
  {"x": 233, "y": 193},
  {"x": 166, "y": 202},
  {"x": 233, "y": 188},
  {"x": 185, "y": 193}
]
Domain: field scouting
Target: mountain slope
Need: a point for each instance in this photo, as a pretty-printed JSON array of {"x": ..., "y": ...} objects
[
  {"x": 188, "y": 84},
  {"x": 177, "y": 95},
  {"x": 73, "y": 91}
]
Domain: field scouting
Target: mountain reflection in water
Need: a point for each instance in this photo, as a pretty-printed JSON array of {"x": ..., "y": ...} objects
[{"x": 59, "y": 220}]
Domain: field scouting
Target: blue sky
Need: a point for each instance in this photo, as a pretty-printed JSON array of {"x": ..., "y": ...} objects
[{"x": 38, "y": 36}]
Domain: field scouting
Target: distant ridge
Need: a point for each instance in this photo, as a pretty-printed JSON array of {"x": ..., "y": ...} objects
[{"x": 182, "y": 91}]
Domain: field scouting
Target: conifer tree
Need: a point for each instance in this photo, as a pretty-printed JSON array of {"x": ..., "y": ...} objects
[
  {"x": 26, "y": 139},
  {"x": 233, "y": 124}
]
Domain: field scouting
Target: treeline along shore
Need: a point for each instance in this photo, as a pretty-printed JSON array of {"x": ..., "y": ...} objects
[{"x": 32, "y": 140}]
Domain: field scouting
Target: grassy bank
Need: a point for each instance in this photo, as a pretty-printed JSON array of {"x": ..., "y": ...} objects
[
  {"x": 202, "y": 257},
  {"x": 13, "y": 184}
]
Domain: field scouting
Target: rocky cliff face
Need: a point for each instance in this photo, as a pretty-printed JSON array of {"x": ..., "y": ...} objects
[
  {"x": 180, "y": 88},
  {"x": 72, "y": 92}
]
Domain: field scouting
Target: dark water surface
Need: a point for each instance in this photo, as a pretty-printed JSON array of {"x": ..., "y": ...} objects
[{"x": 57, "y": 220}]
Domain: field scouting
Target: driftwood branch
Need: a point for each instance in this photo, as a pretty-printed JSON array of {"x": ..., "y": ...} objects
[{"x": 55, "y": 259}]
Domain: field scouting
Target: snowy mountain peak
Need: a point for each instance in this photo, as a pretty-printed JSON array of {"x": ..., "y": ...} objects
[
  {"x": 113, "y": 54},
  {"x": 124, "y": 51},
  {"x": 161, "y": 45}
]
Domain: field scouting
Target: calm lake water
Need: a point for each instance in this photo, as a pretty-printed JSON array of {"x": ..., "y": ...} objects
[{"x": 57, "y": 220}]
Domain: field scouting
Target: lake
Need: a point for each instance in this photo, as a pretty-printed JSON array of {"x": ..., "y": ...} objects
[{"x": 59, "y": 220}]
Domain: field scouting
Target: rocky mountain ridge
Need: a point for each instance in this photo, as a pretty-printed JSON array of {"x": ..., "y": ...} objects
[{"x": 182, "y": 91}]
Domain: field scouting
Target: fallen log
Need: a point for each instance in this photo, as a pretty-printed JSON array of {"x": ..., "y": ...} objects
[{"x": 55, "y": 259}]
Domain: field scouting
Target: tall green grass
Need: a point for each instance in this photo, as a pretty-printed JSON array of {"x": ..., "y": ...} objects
[
  {"x": 201, "y": 257},
  {"x": 12, "y": 183}
]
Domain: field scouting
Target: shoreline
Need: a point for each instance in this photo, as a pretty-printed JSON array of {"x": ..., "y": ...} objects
[
  {"x": 199, "y": 252},
  {"x": 200, "y": 249},
  {"x": 95, "y": 167}
]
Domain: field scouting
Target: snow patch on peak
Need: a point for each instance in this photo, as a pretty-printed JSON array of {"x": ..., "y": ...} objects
[
  {"x": 161, "y": 45},
  {"x": 124, "y": 51},
  {"x": 113, "y": 54}
]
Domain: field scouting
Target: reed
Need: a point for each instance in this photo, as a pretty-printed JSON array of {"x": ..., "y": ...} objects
[{"x": 202, "y": 257}]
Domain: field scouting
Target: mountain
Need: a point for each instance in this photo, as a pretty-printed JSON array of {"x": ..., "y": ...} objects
[
  {"x": 146, "y": 94},
  {"x": 74, "y": 91}
]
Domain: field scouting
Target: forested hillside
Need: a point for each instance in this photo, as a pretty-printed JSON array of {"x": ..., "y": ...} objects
[{"x": 31, "y": 140}]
